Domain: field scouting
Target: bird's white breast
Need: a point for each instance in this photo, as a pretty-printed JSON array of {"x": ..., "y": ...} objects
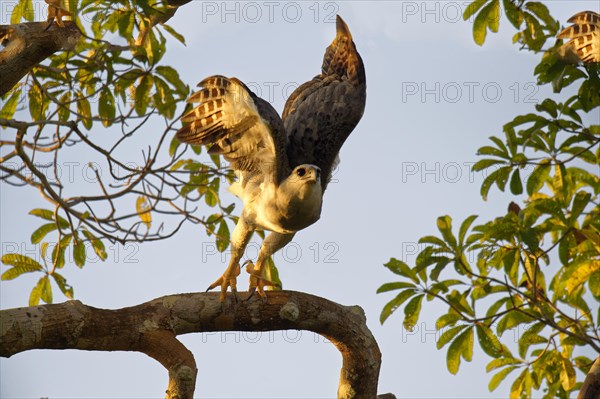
[{"x": 283, "y": 209}]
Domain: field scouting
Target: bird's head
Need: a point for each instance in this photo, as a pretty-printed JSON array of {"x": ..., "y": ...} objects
[
  {"x": 301, "y": 195},
  {"x": 303, "y": 182},
  {"x": 305, "y": 174}
]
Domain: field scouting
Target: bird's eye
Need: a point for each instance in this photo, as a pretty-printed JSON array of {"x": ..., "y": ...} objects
[
  {"x": 318, "y": 173},
  {"x": 301, "y": 172}
]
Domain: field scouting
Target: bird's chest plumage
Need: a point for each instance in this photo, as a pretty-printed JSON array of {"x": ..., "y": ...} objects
[{"x": 283, "y": 210}]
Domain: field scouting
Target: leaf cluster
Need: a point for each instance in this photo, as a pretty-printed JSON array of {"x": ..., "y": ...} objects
[
  {"x": 112, "y": 88},
  {"x": 534, "y": 272}
]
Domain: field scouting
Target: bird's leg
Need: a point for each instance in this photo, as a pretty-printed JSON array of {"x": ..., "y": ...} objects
[
  {"x": 239, "y": 239},
  {"x": 273, "y": 243}
]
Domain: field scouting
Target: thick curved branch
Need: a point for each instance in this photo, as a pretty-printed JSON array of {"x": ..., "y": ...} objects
[
  {"x": 152, "y": 328},
  {"x": 28, "y": 44}
]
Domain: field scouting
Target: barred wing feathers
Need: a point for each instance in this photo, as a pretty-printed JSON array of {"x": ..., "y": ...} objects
[
  {"x": 584, "y": 35},
  {"x": 236, "y": 123}
]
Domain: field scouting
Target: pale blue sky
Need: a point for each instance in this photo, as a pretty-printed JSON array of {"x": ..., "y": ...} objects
[{"x": 433, "y": 98}]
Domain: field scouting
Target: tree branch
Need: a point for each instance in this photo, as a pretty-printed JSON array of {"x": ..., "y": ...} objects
[
  {"x": 152, "y": 327},
  {"x": 28, "y": 44},
  {"x": 591, "y": 385}
]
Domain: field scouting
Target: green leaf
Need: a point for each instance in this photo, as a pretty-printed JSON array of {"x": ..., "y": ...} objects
[
  {"x": 85, "y": 112},
  {"x": 489, "y": 150},
  {"x": 449, "y": 319},
  {"x": 485, "y": 163},
  {"x": 17, "y": 13},
  {"x": 499, "y": 377},
  {"x": 49, "y": 215},
  {"x": 594, "y": 284},
  {"x": 38, "y": 235},
  {"x": 494, "y": 16},
  {"x": 21, "y": 264},
  {"x": 64, "y": 110},
  {"x": 513, "y": 13},
  {"x": 516, "y": 187},
  {"x": 549, "y": 106},
  {"x": 559, "y": 179},
  {"x": 541, "y": 11},
  {"x": 448, "y": 335},
  {"x": 538, "y": 177},
  {"x": 488, "y": 341},
  {"x": 58, "y": 253},
  {"x": 444, "y": 224},
  {"x": 394, "y": 286},
  {"x": 395, "y": 303},
  {"x": 501, "y": 362},
  {"x": 79, "y": 254},
  {"x": 499, "y": 176},
  {"x": 510, "y": 320},
  {"x": 36, "y": 292},
  {"x": 582, "y": 273},
  {"x": 97, "y": 244},
  {"x": 493, "y": 309},
  {"x": 172, "y": 76},
  {"x": 272, "y": 274},
  {"x": 567, "y": 374},
  {"x": 531, "y": 337},
  {"x": 479, "y": 33},
  {"x": 399, "y": 267},
  {"x": 125, "y": 24},
  {"x": 42, "y": 213},
  {"x": 488, "y": 16},
  {"x": 142, "y": 95},
  {"x": 412, "y": 311},
  {"x": 10, "y": 106},
  {"x": 464, "y": 228},
  {"x": 46, "y": 289},
  {"x": 461, "y": 346},
  {"x": 473, "y": 8},
  {"x": 433, "y": 240},
  {"x": 42, "y": 290},
  {"x": 106, "y": 107},
  {"x": 467, "y": 344},
  {"x": 65, "y": 288},
  {"x": 580, "y": 201},
  {"x": 174, "y": 33},
  {"x": 222, "y": 239},
  {"x": 18, "y": 260},
  {"x": 517, "y": 385},
  {"x": 36, "y": 103},
  {"x": 175, "y": 143},
  {"x": 458, "y": 301}
]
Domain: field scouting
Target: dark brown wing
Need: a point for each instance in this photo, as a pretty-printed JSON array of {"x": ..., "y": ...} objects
[
  {"x": 585, "y": 38},
  {"x": 233, "y": 121},
  {"x": 321, "y": 113}
]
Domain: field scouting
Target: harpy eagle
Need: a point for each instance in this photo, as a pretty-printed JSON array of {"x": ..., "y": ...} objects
[{"x": 283, "y": 163}]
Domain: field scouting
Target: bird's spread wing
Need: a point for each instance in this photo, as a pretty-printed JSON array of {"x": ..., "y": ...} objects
[
  {"x": 321, "y": 113},
  {"x": 584, "y": 35},
  {"x": 234, "y": 122}
]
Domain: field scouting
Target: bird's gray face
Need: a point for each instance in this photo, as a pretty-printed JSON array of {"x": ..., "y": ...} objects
[{"x": 306, "y": 173}]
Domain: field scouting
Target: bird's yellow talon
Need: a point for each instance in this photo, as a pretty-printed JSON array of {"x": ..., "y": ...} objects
[{"x": 226, "y": 281}]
